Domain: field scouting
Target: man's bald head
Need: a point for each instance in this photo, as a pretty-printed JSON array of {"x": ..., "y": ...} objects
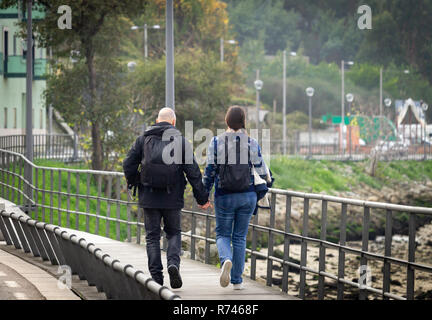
[{"x": 166, "y": 115}]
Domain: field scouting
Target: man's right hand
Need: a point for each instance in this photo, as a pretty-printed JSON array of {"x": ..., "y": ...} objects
[{"x": 206, "y": 206}]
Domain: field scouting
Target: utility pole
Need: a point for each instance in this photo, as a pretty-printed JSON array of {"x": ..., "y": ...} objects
[
  {"x": 284, "y": 142},
  {"x": 145, "y": 42},
  {"x": 381, "y": 92},
  {"x": 341, "y": 137},
  {"x": 28, "y": 170},
  {"x": 222, "y": 49},
  {"x": 257, "y": 102},
  {"x": 169, "y": 76},
  {"x": 29, "y": 81}
]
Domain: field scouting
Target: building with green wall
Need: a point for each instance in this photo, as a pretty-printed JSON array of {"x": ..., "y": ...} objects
[{"x": 13, "y": 76}]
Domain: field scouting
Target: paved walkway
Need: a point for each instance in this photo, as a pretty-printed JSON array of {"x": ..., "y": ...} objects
[
  {"x": 200, "y": 281},
  {"x": 23, "y": 281}
]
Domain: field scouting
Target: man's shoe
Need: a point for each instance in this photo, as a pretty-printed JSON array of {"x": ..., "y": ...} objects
[
  {"x": 225, "y": 278},
  {"x": 175, "y": 278},
  {"x": 238, "y": 286},
  {"x": 159, "y": 281}
]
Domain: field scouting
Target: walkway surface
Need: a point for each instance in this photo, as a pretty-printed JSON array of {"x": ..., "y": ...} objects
[
  {"x": 20, "y": 280},
  {"x": 200, "y": 281}
]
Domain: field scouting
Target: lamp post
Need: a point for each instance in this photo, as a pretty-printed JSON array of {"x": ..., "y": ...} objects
[
  {"x": 293, "y": 54},
  {"x": 310, "y": 92},
  {"x": 222, "y": 47},
  {"x": 146, "y": 27},
  {"x": 28, "y": 171},
  {"x": 350, "y": 99},
  {"x": 342, "y": 141},
  {"x": 258, "y": 87},
  {"x": 387, "y": 103},
  {"x": 169, "y": 73},
  {"x": 131, "y": 66}
]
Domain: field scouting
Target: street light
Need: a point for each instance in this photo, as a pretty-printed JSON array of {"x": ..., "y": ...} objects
[
  {"x": 387, "y": 102},
  {"x": 131, "y": 66},
  {"x": 310, "y": 92},
  {"x": 292, "y": 54},
  {"x": 350, "y": 99},
  {"x": 222, "y": 47},
  {"x": 258, "y": 87},
  {"x": 343, "y": 63},
  {"x": 169, "y": 59},
  {"x": 28, "y": 171},
  {"x": 146, "y": 27}
]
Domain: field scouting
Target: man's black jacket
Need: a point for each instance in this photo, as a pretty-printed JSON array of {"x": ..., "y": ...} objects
[{"x": 157, "y": 199}]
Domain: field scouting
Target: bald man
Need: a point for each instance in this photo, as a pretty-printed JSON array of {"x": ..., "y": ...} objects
[{"x": 159, "y": 156}]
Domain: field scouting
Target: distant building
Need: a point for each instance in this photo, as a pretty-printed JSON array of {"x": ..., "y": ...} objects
[{"x": 13, "y": 75}]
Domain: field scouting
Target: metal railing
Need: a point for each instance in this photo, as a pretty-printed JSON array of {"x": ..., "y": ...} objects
[
  {"x": 386, "y": 151},
  {"x": 62, "y": 147},
  {"x": 90, "y": 263},
  {"x": 66, "y": 195}
]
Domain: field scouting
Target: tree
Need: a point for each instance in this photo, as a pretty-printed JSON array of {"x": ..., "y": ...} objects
[
  {"x": 89, "y": 37},
  {"x": 68, "y": 90},
  {"x": 203, "y": 88}
]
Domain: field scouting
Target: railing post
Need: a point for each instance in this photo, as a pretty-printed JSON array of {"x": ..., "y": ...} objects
[
  {"x": 387, "y": 253},
  {"x": 98, "y": 204},
  {"x": 411, "y": 255},
  {"x": 365, "y": 247},
  {"x": 341, "y": 260},
  {"x": 28, "y": 176},
  {"x": 270, "y": 240},
  {"x": 254, "y": 247},
  {"x": 108, "y": 213},
  {"x": 285, "y": 267},
  {"x": 75, "y": 150},
  {"x": 303, "y": 255},
  {"x": 322, "y": 250}
]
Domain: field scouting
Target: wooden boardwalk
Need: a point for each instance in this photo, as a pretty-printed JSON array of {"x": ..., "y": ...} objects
[{"x": 200, "y": 281}]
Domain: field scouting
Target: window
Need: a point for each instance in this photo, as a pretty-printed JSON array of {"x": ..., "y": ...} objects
[
  {"x": 14, "y": 45},
  {"x": 5, "y": 118},
  {"x": 14, "y": 118},
  {"x": 41, "y": 118}
]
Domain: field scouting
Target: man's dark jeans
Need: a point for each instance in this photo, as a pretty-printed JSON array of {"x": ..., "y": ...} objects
[{"x": 172, "y": 228}]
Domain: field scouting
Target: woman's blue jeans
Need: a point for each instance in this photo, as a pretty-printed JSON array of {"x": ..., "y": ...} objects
[{"x": 233, "y": 213}]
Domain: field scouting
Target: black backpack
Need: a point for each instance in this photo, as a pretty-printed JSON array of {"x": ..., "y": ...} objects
[
  {"x": 154, "y": 173},
  {"x": 235, "y": 177}
]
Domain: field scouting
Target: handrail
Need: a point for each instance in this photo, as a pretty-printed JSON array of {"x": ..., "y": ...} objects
[
  {"x": 52, "y": 243},
  {"x": 314, "y": 196}
]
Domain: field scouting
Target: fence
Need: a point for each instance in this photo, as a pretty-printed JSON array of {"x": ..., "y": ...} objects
[
  {"x": 385, "y": 150},
  {"x": 53, "y": 244},
  {"x": 84, "y": 198},
  {"x": 64, "y": 147},
  {"x": 61, "y": 147}
]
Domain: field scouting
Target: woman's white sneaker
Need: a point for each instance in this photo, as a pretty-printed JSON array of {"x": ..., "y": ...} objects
[
  {"x": 225, "y": 273},
  {"x": 238, "y": 286}
]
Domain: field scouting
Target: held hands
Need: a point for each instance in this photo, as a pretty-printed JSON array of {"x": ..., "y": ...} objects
[{"x": 206, "y": 206}]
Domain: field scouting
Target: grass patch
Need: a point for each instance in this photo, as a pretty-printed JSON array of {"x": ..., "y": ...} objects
[
  {"x": 329, "y": 176},
  {"x": 82, "y": 187}
]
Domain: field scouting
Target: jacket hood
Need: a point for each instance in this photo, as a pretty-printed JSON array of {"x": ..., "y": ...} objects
[{"x": 159, "y": 128}]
